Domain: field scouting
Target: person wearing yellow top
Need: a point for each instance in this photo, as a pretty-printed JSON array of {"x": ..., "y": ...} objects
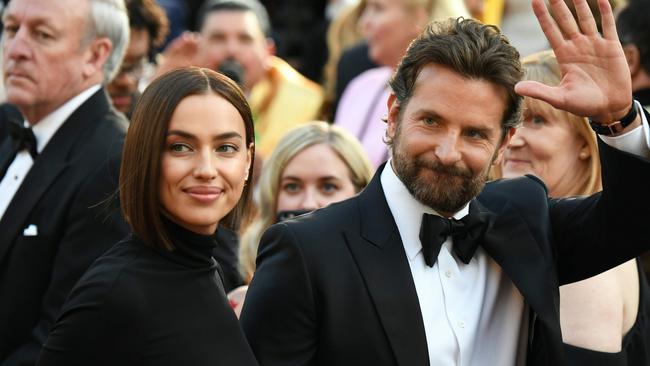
[
  {"x": 280, "y": 101},
  {"x": 237, "y": 32}
]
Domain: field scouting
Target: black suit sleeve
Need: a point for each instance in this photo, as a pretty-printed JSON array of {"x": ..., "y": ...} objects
[
  {"x": 93, "y": 224},
  {"x": 279, "y": 316},
  {"x": 602, "y": 231}
]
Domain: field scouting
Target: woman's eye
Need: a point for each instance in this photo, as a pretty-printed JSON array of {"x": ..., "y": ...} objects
[
  {"x": 291, "y": 187},
  {"x": 179, "y": 148},
  {"x": 329, "y": 187},
  {"x": 227, "y": 149}
]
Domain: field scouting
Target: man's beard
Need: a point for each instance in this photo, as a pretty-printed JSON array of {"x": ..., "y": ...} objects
[{"x": 445, "y": 189}]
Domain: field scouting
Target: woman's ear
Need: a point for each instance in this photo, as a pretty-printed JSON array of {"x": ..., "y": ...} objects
[{"x": 584, "y": 153}]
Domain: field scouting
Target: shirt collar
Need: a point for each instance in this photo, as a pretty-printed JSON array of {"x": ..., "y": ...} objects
[
  {"x": 47, "y": 127},
  {"x": 407, "y": 211}
]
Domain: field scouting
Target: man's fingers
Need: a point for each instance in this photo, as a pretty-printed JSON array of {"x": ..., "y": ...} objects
[
  {"x": 550, "y": 29},
  {"x": 564, "y": 19},
  {"x": 608, "y": 21},
  {"x": 585, "y": 18},
  {"x": 536, "y": 90}
]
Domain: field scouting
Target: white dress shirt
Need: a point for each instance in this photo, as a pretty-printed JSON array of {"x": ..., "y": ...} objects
[
  {"x": 43, "y": 131},
  {"x": 473, "y": 314}
]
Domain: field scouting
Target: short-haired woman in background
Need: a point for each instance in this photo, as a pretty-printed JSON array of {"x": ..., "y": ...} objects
[
  {"x": 604, "y": 319},
  {"x": 156, "y": 298}
]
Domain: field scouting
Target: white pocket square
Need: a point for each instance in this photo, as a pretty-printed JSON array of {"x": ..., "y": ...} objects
[{"x": 31, "y": 230}]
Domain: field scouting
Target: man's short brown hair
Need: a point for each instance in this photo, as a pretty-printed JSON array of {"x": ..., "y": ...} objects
[{"x": 469, "y": 48}]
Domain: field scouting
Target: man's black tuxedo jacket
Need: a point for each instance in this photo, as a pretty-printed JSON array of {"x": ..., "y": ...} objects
[
  {"x": 334, "y": 287},
  {"x": 62, "y": 196}
]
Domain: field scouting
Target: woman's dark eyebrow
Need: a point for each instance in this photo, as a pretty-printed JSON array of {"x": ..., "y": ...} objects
[{"x": 187, "y": 135}]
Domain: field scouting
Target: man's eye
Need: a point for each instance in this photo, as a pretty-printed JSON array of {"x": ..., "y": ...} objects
[
  {"x": 476, "y": 134},
  {"x": 428, "y": 121},
  {"x": 43, "y": 35},
  {"x": 538, "y": 120},
  {"x": 9, "y": 29}
]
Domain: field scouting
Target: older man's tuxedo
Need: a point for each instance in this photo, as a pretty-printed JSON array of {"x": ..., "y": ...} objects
[
  {"x": 334, "y": 287},
  {"x": 57, "y": 223}
]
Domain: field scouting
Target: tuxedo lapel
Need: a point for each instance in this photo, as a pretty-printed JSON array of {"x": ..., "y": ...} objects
[
  {"x": 49, "y": 165},
  {"x": 509, "y": 242},
  {"x": 379, "y": 253}
]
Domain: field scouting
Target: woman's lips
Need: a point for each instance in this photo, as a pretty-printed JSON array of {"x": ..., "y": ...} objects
[{"x": 204, "y": 194}]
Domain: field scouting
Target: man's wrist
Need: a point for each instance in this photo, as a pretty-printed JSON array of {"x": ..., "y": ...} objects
[{"x": 616, "y": 127}]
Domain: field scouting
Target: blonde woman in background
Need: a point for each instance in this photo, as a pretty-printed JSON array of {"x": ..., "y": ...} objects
[
  {"x": 389, "y": 26},
  {"x": 312, "y": 166},
  {"x": 604, "y": 318}
]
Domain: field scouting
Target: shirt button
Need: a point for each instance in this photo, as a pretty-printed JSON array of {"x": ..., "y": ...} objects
[
  {"x": 449, "y": 273},
  {"x": 461, "y": 324}
]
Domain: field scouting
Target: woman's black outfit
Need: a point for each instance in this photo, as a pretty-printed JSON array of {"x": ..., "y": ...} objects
[{"x": 142, "y": 306}]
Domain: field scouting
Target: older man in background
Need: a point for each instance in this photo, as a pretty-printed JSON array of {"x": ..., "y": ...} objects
[{"x": 59, "y": 159}]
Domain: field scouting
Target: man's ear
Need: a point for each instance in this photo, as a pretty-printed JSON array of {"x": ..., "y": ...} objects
[
  {"x": 502, "y": 147},
  {"x": 270, "y": 46},
  {"x": 393, "y": 114},
  {"x": 633, "y": 58},
  {"x": 97, "y": 53}
]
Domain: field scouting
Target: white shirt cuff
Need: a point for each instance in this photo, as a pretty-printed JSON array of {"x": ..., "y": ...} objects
[{"x": 635, "y": 142}]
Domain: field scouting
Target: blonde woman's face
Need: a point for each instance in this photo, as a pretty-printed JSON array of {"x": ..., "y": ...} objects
[
  {"x": 547, "y": 147},
  {"x": 314, "y": 178},
  {"x": 389, "y": 27}
]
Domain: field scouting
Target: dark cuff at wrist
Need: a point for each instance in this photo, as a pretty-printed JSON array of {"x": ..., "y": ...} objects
[{"x": 616, "y": 126}]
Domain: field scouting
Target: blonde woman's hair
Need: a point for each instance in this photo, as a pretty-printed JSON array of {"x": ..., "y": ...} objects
[
  {"x": 442, "y": 9},
  {"x": 344, "y": 32},
  {"x": 344, "y": 144},
  {"x": 543, "y": 67}
]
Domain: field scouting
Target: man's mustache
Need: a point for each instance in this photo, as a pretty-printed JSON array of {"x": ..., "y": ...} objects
[{"x": 438, "y": 167}]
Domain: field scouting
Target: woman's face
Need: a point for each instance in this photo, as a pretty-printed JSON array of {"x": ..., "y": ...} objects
[
  {"x": 388, "y": 26},
  {"x": 548, "y": 147},
  {"x": 204, "y": 164},
  {"x": 314, "y": 178}
]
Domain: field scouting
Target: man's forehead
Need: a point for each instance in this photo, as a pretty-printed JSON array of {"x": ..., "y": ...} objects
[
  {"x": 54, "y": 13},
  {"x": 224, "y": 19}
]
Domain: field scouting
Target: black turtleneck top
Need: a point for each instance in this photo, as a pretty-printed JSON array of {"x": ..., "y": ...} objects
[{"x": 137, "y": 305}]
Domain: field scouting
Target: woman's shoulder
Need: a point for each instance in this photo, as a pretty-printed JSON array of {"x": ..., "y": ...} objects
[{"x": 110, "y": 279}]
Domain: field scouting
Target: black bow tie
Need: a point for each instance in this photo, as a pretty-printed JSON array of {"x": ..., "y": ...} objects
[
  {"x": 23, "y": 138},
  {"x": 466, "y": 233},
  {"x": 20, "y": 138}
]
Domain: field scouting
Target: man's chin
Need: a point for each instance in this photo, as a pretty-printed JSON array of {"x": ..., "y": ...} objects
[
  {"x": 19, "y": 96},
  {"x": 122, "y": 104}
]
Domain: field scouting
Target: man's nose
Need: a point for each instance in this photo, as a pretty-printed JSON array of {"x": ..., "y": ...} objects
[
  {"x": 17, "y": 46},
  {"x": 447, "y": 150}
]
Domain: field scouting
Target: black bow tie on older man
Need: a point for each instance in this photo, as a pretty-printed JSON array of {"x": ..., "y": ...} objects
[
  {"x": 467, "y": 234},
  {"x": 20, "y": 138}
]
